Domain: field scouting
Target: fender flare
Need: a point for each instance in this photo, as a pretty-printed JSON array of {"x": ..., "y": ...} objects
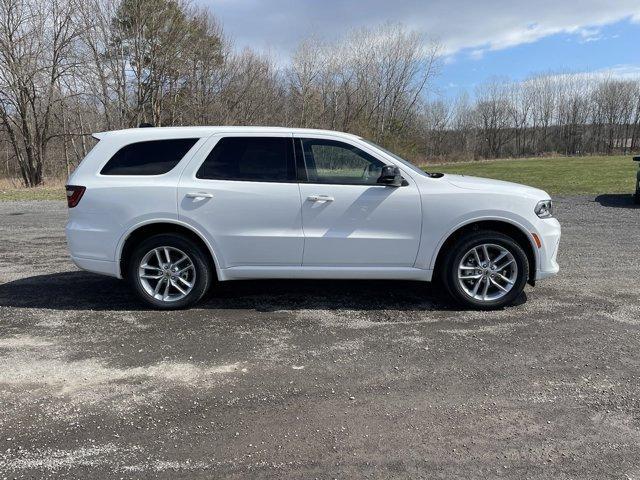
[
  {"x": 488, "y": 218},
  {"x": 133, "y": 228}
]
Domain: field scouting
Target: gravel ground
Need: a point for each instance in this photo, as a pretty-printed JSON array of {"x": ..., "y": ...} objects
[{"x": 321, "y": 379}]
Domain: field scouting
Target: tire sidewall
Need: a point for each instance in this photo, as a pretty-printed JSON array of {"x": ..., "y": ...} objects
[
  {"x": 195, "y": 253},
  {"x": 467, "y": 243}
]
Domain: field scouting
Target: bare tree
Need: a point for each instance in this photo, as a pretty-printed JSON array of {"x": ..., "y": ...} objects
[
  {"x": 493, "y": 113},
  {"x": 372, "y": 82},
  {"x": 542, "y": 91},
  {"x": 437, "y": 117},
  {"x": 35, "y": 43},
  {"x": 303, "y": 76}
]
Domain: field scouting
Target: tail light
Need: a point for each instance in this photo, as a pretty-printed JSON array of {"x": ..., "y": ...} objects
[{"x": 74, "y": 194}]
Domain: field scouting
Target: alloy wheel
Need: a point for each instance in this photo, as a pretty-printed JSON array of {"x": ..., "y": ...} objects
[
  {"x": 167, "y": 274},
  {"x": 487, "y": 272}
]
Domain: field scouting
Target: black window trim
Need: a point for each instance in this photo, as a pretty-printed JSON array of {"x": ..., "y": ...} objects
[
  {"x": 250, "y": 135},
  {"x": 300, "y": 168},
  {"x": 152, "y": 175},
  {"x": 338, "y": 140}
]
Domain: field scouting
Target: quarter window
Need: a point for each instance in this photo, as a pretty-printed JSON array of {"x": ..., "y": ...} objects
[
  {"x": 330, "y": 161},
  {"x": 153, "y": 157},
  {"x": 256, "y": 159}
]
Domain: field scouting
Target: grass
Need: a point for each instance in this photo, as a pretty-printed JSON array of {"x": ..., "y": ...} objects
[
  {"x": 556, "y": 175},
  {"x": 53, "y": 189}
]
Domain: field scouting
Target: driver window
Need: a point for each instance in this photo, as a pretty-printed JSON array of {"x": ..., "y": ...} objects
[{"x": 330, "y": 161}]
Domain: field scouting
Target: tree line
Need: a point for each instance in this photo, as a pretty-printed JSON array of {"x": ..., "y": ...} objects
[
  {"x": 72, "y": 67},
  {"x": 566, "y": 114}
]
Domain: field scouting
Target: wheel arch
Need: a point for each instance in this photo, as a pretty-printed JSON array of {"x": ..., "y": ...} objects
[
  {"x": 140, "y": 231},
  {"x": 515, "y": 231}
]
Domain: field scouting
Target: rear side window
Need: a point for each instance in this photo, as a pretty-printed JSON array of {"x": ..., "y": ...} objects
[
  {"x": 153, "y": 157},
  {"x": 253, "y": 159}
]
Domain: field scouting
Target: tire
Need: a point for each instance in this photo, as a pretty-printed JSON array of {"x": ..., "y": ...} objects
[
  {"x": 636, "y": 197},
  {"x": 179, "y": 295},
  {"x": 460, "y": 260}
]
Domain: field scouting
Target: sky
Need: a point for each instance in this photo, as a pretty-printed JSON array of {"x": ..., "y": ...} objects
[{"x": 480, "y": 39}]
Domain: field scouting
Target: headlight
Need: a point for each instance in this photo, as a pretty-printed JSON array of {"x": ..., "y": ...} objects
[{"x": 544, "y": 209}]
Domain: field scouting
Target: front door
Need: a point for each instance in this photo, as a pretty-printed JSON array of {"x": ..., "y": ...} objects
[
  {"x": 241, "y": 193},
  {"x": 348, "y": 218}
]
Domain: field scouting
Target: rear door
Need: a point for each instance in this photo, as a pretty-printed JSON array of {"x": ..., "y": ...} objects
[
  {"x": 350, "y": 219},
  {"x": 241, "y": 192}
]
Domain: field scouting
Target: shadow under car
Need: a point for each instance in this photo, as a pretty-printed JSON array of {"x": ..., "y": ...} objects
[
  {"x": 79, "y": 290},
  {"x": 617, "y": 200}
]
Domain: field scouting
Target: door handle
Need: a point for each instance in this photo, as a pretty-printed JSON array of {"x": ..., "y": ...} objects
[
  {"x": 320, "y": 198},
  {"x": 199, "y": 195}
]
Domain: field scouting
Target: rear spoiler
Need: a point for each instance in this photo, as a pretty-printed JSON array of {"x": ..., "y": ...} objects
[{"x": 101, "y": 135}]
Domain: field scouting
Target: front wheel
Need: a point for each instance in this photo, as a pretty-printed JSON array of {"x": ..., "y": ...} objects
[
  {"x": 169, "y": 271},
  {"x": 485, "y": 270}
]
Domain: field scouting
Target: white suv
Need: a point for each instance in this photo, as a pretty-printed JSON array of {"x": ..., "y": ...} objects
[{"x": 173, "y": 209}]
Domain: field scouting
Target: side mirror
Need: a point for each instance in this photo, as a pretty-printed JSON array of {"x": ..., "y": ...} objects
[
  {"x": 636, "y": 159},
  {"x": 390, "y": 176}
]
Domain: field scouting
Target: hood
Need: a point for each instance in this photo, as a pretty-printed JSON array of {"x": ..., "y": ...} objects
[{"x": 497, "y": 186}]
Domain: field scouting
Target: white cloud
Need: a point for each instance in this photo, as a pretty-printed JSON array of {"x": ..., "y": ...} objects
[
  {"x": 477, "y": 54},
  {"x": 622, "y": 72},
  {"x": 478, "y": 26},
  {"x": 588, "y": 35},
  {"x": 616, "y": 72}
]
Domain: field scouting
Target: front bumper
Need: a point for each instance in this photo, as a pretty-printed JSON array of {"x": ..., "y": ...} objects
[{"x": 549, "y": 232}]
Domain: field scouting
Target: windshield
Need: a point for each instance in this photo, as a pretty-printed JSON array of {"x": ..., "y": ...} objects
[{"x": 407, "y": 163}]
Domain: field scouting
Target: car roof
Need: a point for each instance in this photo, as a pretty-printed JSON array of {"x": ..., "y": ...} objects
[{"x": 176, "y": 132}]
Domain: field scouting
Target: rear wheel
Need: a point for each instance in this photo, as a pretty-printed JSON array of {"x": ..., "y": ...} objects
[
  {"x": 636, "y": 197},
  {"x": 169, "y": 271},
  {"x": 485, "y": 270}
]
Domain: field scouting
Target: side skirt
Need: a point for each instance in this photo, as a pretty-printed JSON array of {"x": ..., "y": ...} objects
[{"x": 340, "y": 273}]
